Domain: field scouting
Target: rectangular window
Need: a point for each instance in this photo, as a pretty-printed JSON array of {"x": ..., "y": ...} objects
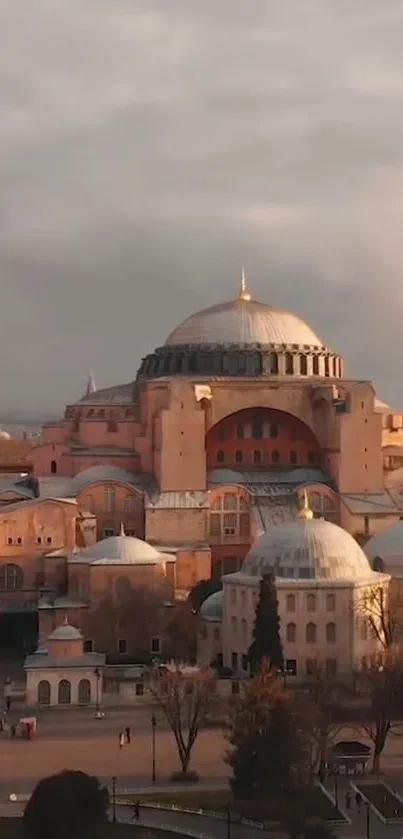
[
  {"x": 293, "y": 456},
  {"x": 291, "y": 667},
  {"x": 257, "y": 456},
  {"x": 244, "y": 525},
  {"x": 245, "y": 663},
  {"x": 110, "y": 499},
  {"x": 235, "y": 688},
  {"x": 240, "y": 431},
  {"x": 257, "y": 430},
  {"x": 311, "y": 665},
  {"x": 88, "y": 645},
  {"x": 215, "y": 524},
  {"x": 275, "y": 456},
  {"x": 273, "y": 430},
  {"x": 331, "y": 666},
  {"x": 108, "y": 531},
  {"x": 234, "y": 660},
  {"x": 156, "y": 645},
  {"x": 234, "y": 596},
  {"x": 139, "y": 689},
  {"x": 122, "y": 646}
]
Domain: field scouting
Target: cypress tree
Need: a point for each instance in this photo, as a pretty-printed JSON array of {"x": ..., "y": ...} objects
[{"x": 266, "y": 644}]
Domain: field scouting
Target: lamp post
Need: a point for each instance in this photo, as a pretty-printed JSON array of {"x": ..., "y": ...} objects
[
  {"x": 153, "y": 727},
  {"x": 114, "y": 798},
  {"x": 336, "y": 790},
  {"x": 98, "y": 677},
  {"x": 229, "y": 824},
  {"x": 368, "y": 819}
]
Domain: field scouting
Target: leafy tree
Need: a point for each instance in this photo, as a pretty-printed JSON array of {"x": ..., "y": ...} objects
[
  {"x": 268, "y": 757},
  {"x": 202, "y": 590},
  {"x": 266, "y": 644},
  {"x": 185, "y": 695},
  {"x": 70, "y": 805}
]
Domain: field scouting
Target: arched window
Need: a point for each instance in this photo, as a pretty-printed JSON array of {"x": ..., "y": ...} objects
[
  {"x": 220, "y": 456},
  {"x": 109, "y": 530},
  {"x": 84, "y": 692},
  {"x": 238, "y": 456},
  {"x": 311, "y": 603},
  {"x": 11, "y": 577},
  {"x": 330, "y": 602},
  {"x": 291, "y": 633},
  {"x": 378, "y": 564},
  {"x": 303, "y": 365},
  {"x": 290, "y": 602},
  {"x": 229, "y": 517},
  {"x": 289, "y": 364},
  {"x": 43, "y": 692},
  {"x": 64, "y": 692},
  {"x": 311, "y": 633},
  {"x": 331, "y": 633},
  {"x": 315, "y": 365},
  {"x": 273, "y": 363},
  {"x": 53, "y": 467},
  {"x": 257, "y": 456},
  {"x": 111, "y": 426}
]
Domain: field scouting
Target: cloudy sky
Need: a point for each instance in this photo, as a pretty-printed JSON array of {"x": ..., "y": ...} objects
[{"x": 148, "y": 148}]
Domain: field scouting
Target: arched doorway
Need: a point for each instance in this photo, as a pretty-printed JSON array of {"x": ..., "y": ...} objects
[
  {"x": 43, "y": 692},
  {"x": 84, "y": 692},
  {"x": 64, "y": 692}
]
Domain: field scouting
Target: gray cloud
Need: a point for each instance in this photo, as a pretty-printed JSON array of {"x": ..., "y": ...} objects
[{"x": 149, "y": 148}]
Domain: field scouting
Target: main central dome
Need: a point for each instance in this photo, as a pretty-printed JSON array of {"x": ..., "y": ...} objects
[{"x": 243, "y": 322}]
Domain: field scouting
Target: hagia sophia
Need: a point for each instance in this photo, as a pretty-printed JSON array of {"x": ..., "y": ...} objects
[{"x": 240, "y": 447}]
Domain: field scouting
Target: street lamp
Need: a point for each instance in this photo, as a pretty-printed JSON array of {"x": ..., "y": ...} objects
[
  {"x": 114, "y": 798},
  {"x": 98, "y": 677},
  {"x": 368, "y": 809},
  {"x": 153, "y": 727}
]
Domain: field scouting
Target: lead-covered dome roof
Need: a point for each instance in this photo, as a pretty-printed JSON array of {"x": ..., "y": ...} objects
[
  {"x": 308, "y": 549},
  {"x": 66, "y": 632},
  {"x": 121, "y": 550},
  {"x": 212, "y": 607},
  {"x": 387, "y": 546},
  {"x": 243, "y": 322}
]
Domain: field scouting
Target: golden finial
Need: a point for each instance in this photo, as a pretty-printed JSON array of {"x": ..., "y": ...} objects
[
  {"x": 243, "y": 291},
  {"x": 305, "y": 511}
]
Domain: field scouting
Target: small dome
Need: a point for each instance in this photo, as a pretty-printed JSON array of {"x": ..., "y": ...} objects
[
  {"x": 125, "y": 550},
  {"x": 65, "y": 632},
  {"x": 212, "y": 608},
  {"x": 387, "y": 545},
  {"x": 307, "y": 549},
  {"x": 4, "y": 435},
  {"x": 243, "y": 321}
]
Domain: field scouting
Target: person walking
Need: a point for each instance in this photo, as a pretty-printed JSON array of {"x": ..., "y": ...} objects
[
  {"x": 358, "y": 800},
  {"x": 136, "y": 811},
  {"x": 128, "y": 734},
  {"x": 121, "y": 740},
  {"x": 347, "y": 799}
]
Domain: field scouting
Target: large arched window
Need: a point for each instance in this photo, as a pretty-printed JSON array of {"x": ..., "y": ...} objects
[
  {"x": 110, "y": 499},
  {"x": 311, "y": 603},
  {"x": 43, "y": 692},
  {"x": 53, "y": 467},
  {"x": 230, "y": 517},
  {"x": 64, "y": 692},
  {"x": 291, "y": 633},
  {"x": 330, "y": 602},
  {"x": 84, "y": 691},
  {"x": 11, "y": 577},
  {"x": 130, "y": 505},
  {"x": 290, "y": 602},
  {"x": 311, "y": 633}
]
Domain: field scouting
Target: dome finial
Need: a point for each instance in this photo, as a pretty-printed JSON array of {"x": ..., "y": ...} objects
[
  {"x": 243, "y": 291},
  {"x": 305, "y": 512}
]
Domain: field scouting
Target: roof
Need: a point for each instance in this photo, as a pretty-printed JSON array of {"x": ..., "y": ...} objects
[
  {"x": 123, "y": 550},
  {"x": 95, "y": 474},
  {"x": 259, "y": 477},
  {"x": 308, "y": 549},
  {"x": 381, "y": 503},
  {"x": 212, "y": 608},
  {"x": 15, "y": 451},
  {"x": 117, "y": 394},
  {"x": 31, "y": 502},
  {"x": 388, "y": 544},
  {"x": 66, "y": 632},
  {"x": 178, "y": 500},
  {"x": 243, "y": 322},
  {"x": 42, "y": 661}
]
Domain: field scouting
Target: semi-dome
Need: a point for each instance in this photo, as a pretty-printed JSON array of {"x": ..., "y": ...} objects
[
  {"x": 243, "y": 322},
  {"x": 123, "y": 550},
  {"x": 212, "y": 608},
  {"x": 66, "y": 632},
  {"x": 387, "y": 546},
  {"x": 306, "y": 549}
]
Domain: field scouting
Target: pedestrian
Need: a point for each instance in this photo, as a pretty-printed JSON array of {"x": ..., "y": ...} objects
[
  {"x": 137, "y": 810},
  {"x": 8, "y": 703},
  {"x": 128, "y": 734},
  {"x": 347, "y": 799},
  {"x": 358, "y": 799},
  {"x": 13, "y": 730},
  {"x": 121, "y": 740}
]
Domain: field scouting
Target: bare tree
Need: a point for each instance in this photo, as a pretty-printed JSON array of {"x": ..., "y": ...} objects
[
  {"x": 384, "y": 688},
  {"x": 322, "y": 702},
  {"x": 184, "y": 694},
  {"x": 382, "y": 613}
]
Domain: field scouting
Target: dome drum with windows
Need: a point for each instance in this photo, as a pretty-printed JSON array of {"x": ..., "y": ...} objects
[{"x": 242, "y": 338}]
